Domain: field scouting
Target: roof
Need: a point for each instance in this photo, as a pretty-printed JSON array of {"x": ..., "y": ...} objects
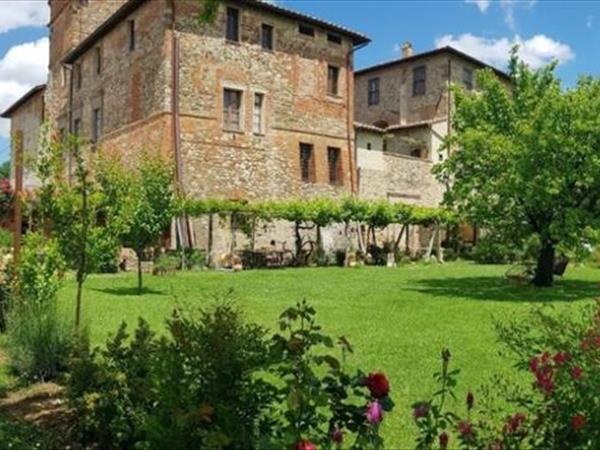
[
  {"x": 129, "y": 7},
  {"x": 367, "y": 127},
  {"x": 20, "y": 102},
  {"x": 437, "y": 51},
  {"x": 376, "y": 129}
]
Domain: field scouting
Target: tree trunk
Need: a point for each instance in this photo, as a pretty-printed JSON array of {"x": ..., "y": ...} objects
[
  {"x": 78, "y": 303},
  {"x": 298, "y": 242},
  {"x": 139, "y": 267},
  {"x": 438, "y": 244},
  {"x": 544, "y": 272},
  {"x": 320, "y": 251},
  {"x": 210, "y": 241}
]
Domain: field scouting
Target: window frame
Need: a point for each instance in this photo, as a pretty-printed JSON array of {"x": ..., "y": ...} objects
[
  {"x": 334, "y": 38},
  {"x": 334, "y": 170},
  {"x": 98, "y": 58},
  {"x": 333, "y": 82},
  {"x": 227, "y": 115},
  {"x": 373, "y": 94},
  {"x": 261, "y": 113},
  {"x": 467, "y": 78},
  {"x": 77, "y": 75},
  {"x": 96, "y": 124},
  {"x": 306, "y": 30},
  {"x": 230, "y": 14},
  {"x": 419, "y": 84},
  {"x": 271, "y": 28},
  {"x": 307, "y": 172}
]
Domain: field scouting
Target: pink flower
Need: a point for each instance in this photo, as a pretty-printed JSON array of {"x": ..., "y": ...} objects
[
  {"x": 378, "y": 384},
  {"x": 465, "y": 428},
  {"x": 421, "y": 410},
  {"x": 578, "y": 422},
  {"x": 374, "y": 412},
  {"x": 443, "y": 440},
  {"x": 514, "y": 423},
  {"x": 577, "y": 373},
  {"x": 337, "y": 435},
  {"x": 305, "y": 444}
]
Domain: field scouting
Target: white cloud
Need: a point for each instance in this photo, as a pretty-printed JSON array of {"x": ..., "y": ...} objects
[
  {"x": 589, "y": 23},
  {"x": 535, "y": 51},
  {"x": 23, "y": 13},
  {"x": 483, "y": 5},
  {"x": 22, "y": 67}
]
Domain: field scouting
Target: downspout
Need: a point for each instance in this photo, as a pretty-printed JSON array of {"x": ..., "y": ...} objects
[
  {"x": 69, "y": 67},
  {"x": 352, "y": 159},
  {"x": 181, "y": 222}
]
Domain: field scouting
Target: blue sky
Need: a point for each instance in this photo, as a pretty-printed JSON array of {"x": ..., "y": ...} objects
[{"x": 566, "y": 30}]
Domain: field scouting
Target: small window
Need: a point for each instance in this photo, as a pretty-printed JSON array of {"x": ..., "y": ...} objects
[
  {"x": 333, "y": 74},
  {"x": 98, "y": 60},
  {"x": 232, "y": 105},
  {"x": 96, "y": 124},
  {"x": 336, "y": 39},
  {"x": 257, "y": 114},
  {"x": 373, "y": 91},
  {"x": 416, "y": 153},
  {"x": 369, "y": 146},
  {"x": 306, "y": 30},
  {"x": 77, "y": 127},
  {"x": 266, "y": 37},
  {"x": 419, "y": 80},
  {"x": 233, "y": 25},
  {"x": 131, "y": 34},
  {"x": 334, "y": 164},
  {"x": 77, "y": 76},
  {"x": 384, "y": 145},
  {"x": 468, "y": 78},
  {"x": 307, "y": 163}
]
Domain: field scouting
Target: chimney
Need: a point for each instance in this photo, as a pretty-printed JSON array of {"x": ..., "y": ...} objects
[{"x": 407, "y": 49}]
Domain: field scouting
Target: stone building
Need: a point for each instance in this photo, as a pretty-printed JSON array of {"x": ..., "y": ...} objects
[
  {"x": 255, "y": 105},
  {"x": 403, "y": 109}
]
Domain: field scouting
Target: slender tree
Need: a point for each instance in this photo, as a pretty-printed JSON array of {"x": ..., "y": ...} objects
[{"x": 526, "y": 160}]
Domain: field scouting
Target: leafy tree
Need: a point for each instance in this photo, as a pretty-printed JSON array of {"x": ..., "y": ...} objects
[
  {"x": 527, "y": 160},
  {"x": 5, "y": 169},
  {"x": 146, "y": 206}
]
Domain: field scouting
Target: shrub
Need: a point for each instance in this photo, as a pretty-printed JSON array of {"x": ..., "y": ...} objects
[
  {"x": 38, "y": 338},
  {"x": 6, "y": 281},
  {"x": 490, "y": 251},
  {"x": 166, "y": 263},
  {"x": 220, "y": 382},
  {"x": 6, "y": 238}
]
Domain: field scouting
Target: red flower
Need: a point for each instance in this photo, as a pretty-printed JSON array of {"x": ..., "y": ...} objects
[
  {"x": 378, "y": 385},
  {"x": 470, "y": 400},
  {"x": 337, "y": 435},
  {"x": 421, "y": 410},
  {"x": 465, "y": 428},
  {"x": 514, "y": 423},
  {"x": 577, "y": 373},
  {"x": 577, "y": 422},
  {"x": 561, "y": 357},
  {"x": 443, "y": 440}
]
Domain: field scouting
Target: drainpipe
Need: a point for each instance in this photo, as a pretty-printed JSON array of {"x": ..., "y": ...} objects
[{"x": 350, "y": 116}]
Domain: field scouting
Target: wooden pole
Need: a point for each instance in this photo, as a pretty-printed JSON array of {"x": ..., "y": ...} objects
[{"x": 18, "y": 195}]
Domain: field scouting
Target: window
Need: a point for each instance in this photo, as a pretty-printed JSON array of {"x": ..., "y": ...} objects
[
  {"x": 257, "y": 114},
  {"x": 334, "y": 163},
  {"x": 266, "y": 37},
  {"x": 77, "y": 127},
  {"x": 334, "y": 38},
  {"x": 77, "y": 75},
  {"x": 306, "y": 30},
  {"x": 96, "y": 124},
  {"x": 419, "y": 79},
  {"x": 232, "y": 105},
  {"x": 468, "y": 78},
  {"x": 98, "y": 60},
  {"x": 374, "y": 91},
  {"x": 416, "y": 153},
  {"x": 369, "y": 146},
  {"x": 333, "y": 74},
  {"x": 233, "y": 25},
  {"x": 307, "y": 163},
  {"x": 131, "y": 33}
]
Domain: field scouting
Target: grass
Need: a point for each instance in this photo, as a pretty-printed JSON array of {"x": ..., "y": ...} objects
[{"x": 397, "y": 319}]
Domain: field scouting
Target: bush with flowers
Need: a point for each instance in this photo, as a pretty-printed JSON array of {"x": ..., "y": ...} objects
[
  {"x": 560, "y": 407},
  {"x": 6, "y": 281},
  {"x": 221, "y": 382}
]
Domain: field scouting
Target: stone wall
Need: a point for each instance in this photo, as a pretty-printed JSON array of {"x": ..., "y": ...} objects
[{"x": 25, "y": 127}]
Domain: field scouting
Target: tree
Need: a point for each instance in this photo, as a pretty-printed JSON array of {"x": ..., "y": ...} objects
[
  {"x": 5, "y": 170},
  {"x": 147, "y": 206},
  {"x": 71, "y": 207},
  {"x": 527, "y": 160}
]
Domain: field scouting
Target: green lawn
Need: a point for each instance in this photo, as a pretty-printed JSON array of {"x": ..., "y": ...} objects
[{"x": 398, "y": 319}]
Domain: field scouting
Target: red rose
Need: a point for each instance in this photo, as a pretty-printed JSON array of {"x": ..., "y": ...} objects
[
  {"x": 443, "y": 440},
  {"x": 577, "y": 422},
  {"x": 465, "y": 428},
  {"x": 577, "y": 373},
  {"x": 561, "y": 357},
  {"x": 305, "y": 444},
  {"x": 378, "y": 385}
]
